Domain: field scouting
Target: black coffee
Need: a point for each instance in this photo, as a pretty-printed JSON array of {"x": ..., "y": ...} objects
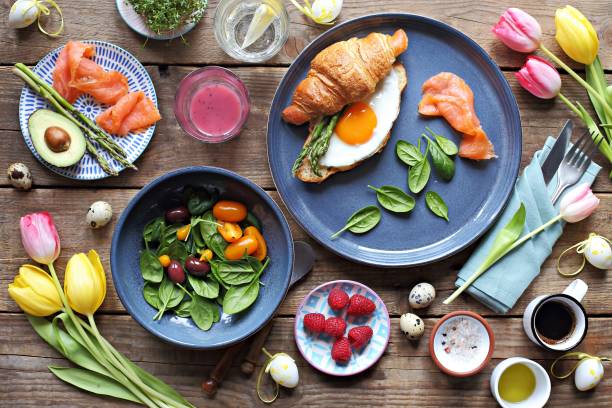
[{"x": 554, "y": 322}]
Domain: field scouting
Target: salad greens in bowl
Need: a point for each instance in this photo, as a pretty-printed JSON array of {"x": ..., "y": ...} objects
[{"x": 202, "y": 257}]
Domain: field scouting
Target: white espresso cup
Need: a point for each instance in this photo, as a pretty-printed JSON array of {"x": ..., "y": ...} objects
[
  {"x": 541, "y": 392},
  {"x": 548, "y": 314}
]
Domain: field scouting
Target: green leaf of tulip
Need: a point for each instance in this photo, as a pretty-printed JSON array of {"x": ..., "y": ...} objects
[{"x": 93, "y": 382}]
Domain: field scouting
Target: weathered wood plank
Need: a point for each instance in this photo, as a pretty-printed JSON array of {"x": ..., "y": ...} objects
[
  {"x": 171, "y": 148},
  {"x": 405, "y": 376},
  {"x": 91, "y": 21},
  {"x": 69, "y": 206}
]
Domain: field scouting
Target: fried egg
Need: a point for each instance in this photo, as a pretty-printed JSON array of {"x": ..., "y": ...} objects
[{"x": 364, "y": 125}]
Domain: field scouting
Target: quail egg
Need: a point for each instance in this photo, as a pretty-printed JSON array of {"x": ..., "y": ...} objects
[
  {"x": 597, "y": 251},
  {"x": 412, "y": 326},
  {"x": 588, "y": 373},
  {"x": 19, "y": 175},
  {"x": 422, "y": 295},
  {"x": 283, "y": 370},
  {"x": 23, "y": 13},
  {"x": 99, "y": 214}
]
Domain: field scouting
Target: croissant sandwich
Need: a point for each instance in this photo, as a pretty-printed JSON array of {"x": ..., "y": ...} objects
[{"x": 343, "y": 73}]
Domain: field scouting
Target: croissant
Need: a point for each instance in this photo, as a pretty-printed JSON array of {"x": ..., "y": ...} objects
[{"x": 343, "y": 73}]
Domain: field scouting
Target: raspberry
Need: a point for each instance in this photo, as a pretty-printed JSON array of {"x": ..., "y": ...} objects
[
  {"x": 315, "y": 322},
  {"x": 360, "y": 306},
  {"x": 337, "y": 299},
  {"x": 359, "y": 336},
  {"x": 335, "y": 326},
  {"x": 341, "y": 350}
]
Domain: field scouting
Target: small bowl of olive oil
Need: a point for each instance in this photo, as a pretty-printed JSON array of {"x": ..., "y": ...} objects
[{"x": 520, "y": 383}]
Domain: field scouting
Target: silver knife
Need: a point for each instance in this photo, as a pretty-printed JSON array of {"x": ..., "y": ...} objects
[{"x": 555, "y": 157}]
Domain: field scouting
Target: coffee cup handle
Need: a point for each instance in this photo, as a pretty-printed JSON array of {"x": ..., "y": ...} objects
[{"x": 577, "y": 289}]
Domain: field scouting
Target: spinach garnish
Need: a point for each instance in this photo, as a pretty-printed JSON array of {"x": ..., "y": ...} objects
[
  {"x": 361, "y": 221},
  {"x": 393, "y": 199},
  {"x": 436, "y": 204}
]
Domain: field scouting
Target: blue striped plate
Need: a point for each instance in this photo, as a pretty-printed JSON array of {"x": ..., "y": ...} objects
[{"x": 110, "y": 57}]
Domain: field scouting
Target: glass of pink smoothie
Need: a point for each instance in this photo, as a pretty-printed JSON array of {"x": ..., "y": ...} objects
[{"x": 212, "y": 104}]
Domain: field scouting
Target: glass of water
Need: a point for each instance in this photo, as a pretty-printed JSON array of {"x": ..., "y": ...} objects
[{"x": 232, "y": 23}]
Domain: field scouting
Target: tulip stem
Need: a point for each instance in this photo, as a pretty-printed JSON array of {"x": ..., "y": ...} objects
[
  {"x": 579, "y": 79},
  {"x": 92, "y": 348},
  {"x": 125, "y": 369},
  {"x": 484, "y": 267},
  {"x": 570, "y": 105}
]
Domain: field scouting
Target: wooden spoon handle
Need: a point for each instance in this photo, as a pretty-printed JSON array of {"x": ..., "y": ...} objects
[
  {"x": 217, "y": 375},
  {"x": 250, "y": 360}
]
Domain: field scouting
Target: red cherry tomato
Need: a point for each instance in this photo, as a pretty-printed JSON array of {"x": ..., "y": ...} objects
[
  {"x": 262, "y": 248},
  {"x": 246, "y": 245},
  {"x": 230, "y": 211}
]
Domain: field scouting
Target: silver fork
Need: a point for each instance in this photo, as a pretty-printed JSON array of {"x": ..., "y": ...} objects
[{"x": 575, "y": 162}]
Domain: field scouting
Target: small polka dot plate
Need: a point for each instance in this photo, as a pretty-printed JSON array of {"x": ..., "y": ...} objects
[
  {"x": 316, "y": 348},
  {"x": 109, "y": 57}
]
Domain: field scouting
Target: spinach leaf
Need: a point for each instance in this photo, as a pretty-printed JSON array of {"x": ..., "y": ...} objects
[
  {"x": 200, "y": 200},
  {"x": 447, "y": 145},
  {"x": 239, "y": 298},
  {"x": 150, "y": 267},
  {"x": 217, "y": 244},
  {"x": 168, "y": 235},
  {"x": 442, "y": 163},
  {"x": 361, "y": 221},
  {"x": 196, "y": 233},
  {"x": 202, "y": 313},
  {"x": 183, "y": 309},
  {"x": 251, "y": 219},
  {"x": 393, "y": 199},
  {"x": 177, "y": 250},
  {"x": 150, "y": 294},
  {"x": 205, "y": 287},
  {"x": 170, "y": 295},
  {"x": 408, "y": 153},
  {"x": 235, "y": 272},
  {"x": 418, "y": 176},
  {"x": 208, "y": 225},
  {"x": 436, "y": 204},
  {"x": 154, "y": 230}
]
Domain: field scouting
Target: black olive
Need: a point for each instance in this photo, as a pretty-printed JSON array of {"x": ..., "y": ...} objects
[
  {"x": 175, "y": 272},
  {"x": 196, "y": 267},
  {"x": 177, "y": 215}
]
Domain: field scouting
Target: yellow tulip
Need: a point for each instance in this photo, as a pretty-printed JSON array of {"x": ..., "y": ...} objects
[
  {"x": 33, "y": 290},
  {"x": 85, "y": 282},
  {"x": 576, "y": 35}
]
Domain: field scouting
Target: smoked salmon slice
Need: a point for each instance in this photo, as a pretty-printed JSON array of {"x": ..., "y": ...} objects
[
  {"x": 447, "y": 95},
  {"x": 132, "y": 112},
  {"x": 75, "y": 73}
]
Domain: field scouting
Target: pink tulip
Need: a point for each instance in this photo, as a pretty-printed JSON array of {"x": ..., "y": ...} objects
[
  {"x": 518, "y": 30},
  {"x": 539, "y": 77},
  {"x": 578, "y": 204},
  {"x": 39, "y": 237}
]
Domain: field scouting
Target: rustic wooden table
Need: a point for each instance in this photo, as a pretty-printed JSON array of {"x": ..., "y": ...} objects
[{"x": 405, "y": 376}]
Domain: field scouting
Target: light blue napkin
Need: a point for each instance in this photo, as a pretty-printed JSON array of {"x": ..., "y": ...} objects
[{"x": 501, "y": 286}]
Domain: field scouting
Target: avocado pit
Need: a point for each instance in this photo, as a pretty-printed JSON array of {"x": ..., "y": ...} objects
[{"x": 57, "y": 139}]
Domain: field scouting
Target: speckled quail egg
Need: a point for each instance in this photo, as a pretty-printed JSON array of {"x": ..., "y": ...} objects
[
  {"x": 598, "y": 252},
  {"x": 412, "y": 326},
  {"x": 588, "y": 373},
  {"x": 19, "y": 176},
  {"x": 283, "y": 370},
  {"x": 99, "y": 214},
  {"x": 422, "y": 295}
]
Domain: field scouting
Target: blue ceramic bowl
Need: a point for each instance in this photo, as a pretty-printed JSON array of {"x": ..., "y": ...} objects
[{"x": 164, "y": 193}]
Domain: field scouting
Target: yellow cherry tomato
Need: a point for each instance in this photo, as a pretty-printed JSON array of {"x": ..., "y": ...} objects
[
  {"x": 206, "y": 255},
  {"x": 246, "y": 245},
  {"x": 262, "y": 248},
  {"x": 183, "y": 232},
  {"x": 230, "y": 211},
  {"x": 164, "y": 260},
  {"x": 231, "y": 232}
]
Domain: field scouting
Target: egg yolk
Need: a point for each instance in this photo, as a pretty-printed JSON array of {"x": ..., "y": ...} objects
[{"x": 356, "y": 124}]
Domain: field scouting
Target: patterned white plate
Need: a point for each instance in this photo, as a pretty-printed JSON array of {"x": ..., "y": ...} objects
[
  {"x": 110, "y": 57},
  {"x": 316, "y": 348}
]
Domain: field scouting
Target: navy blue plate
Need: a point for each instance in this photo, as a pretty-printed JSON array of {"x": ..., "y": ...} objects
[
  {"x": 475, "y": 196},
  {"x": 162, "y": 194}
]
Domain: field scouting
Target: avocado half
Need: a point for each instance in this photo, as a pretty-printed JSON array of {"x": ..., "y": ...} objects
[{"x": 43, "y": 119}]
